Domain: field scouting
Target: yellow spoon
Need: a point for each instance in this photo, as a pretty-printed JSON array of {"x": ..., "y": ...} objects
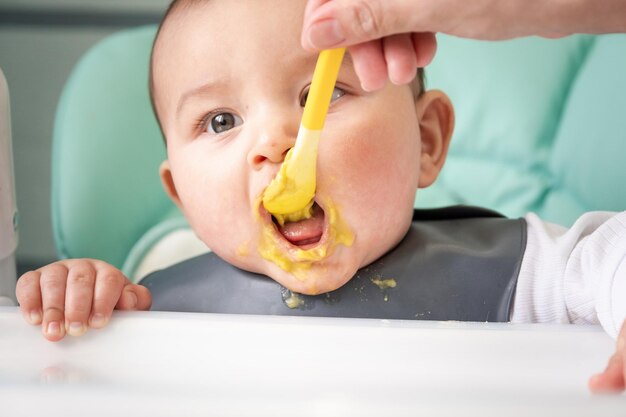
[{"x": 291, "y": 192}]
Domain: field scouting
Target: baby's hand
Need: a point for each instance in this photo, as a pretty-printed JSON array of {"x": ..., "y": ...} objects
[
  {"x": 71, "y": 295},
  {"x": 612, "y": 379}
]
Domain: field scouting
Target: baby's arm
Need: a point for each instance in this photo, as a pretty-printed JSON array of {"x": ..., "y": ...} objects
[
  {"x": 72, "y": 295},
  {"x": 613, "y": 378},
  {"x": 578, "y": 276}
]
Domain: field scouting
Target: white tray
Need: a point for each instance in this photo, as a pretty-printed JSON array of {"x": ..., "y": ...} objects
[{"x": 181, "y": 364}]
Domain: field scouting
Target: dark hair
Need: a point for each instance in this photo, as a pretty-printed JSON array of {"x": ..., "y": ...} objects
[
  {"x": 174, "y": 4},
  {"x": 417, "y": 85}
]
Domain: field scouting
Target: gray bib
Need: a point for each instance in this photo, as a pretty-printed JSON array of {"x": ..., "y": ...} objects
[{"x": 455, "y": 263}]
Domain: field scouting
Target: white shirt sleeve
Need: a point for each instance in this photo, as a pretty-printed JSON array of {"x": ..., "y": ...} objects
[{"x": 575, "y": 275}]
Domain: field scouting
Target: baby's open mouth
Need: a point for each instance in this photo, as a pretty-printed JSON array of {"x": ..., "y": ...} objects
[{"x": 303, "y": 233}]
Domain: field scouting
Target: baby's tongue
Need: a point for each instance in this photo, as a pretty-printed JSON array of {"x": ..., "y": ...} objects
[{"x": 304, "y": 232}]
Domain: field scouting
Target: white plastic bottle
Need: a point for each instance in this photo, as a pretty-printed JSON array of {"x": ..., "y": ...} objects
[{"x": 8, "y": 209}]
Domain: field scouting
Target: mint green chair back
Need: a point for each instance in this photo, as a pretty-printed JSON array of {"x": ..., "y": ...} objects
[
  {"x": 106, "y": 192},
  {"x": 541, "y": 126}
]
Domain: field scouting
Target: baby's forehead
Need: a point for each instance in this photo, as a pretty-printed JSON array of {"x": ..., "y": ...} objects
[
  {"x": 211, "y": 37},
  {"x": 228, "y": 24}
]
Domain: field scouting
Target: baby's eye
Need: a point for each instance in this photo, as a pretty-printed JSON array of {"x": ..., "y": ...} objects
[
  {"x": 337, "y": 93},
  {"x": 223, "y": 122}
]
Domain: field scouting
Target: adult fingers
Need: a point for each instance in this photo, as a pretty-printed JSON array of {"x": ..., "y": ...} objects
[
  {"x": 396, "y": 58},
  {"x": 330, "y": 24},
  {"x": 52, "y": 283},
  {"x": 107, "y": 292},
  {"x": 369, "y": 64},
  {"x": 400, "y": 58},
  {"x": 28, "y": 293},
  {"x": 81, "y": 278},
  {"x": 311, "y": 6},
  {"x": 425, "y": 45}
]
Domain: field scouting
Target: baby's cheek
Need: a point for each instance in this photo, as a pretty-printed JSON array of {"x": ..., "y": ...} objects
[
  {"x": 210, "y": 210},
  {"x": 374, "y": 174},
  {"x": 371, "y": 157}
]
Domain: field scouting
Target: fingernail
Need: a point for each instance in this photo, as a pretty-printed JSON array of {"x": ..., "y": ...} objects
[
  {"x": 35, "y": 317},
  {"x": 373, "y": 85},
  {"x": 97, "y": 320},
  {"x": 325, "y": 34},
  {"x": 132, "y": 299},
  {"x": 75, "y": 328},
  {"x": 53, "y": 329}
]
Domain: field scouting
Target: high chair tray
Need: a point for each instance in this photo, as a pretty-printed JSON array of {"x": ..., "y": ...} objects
[{"x": 190, "y": 364}]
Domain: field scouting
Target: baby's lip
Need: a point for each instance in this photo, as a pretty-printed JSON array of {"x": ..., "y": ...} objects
[{"x": 305, "y": 234}]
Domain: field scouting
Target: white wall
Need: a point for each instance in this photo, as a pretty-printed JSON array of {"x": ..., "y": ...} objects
[{"x": 40, "y": 42}]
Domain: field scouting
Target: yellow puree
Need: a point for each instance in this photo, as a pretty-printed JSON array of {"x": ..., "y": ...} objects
[
  {"x": 294, "y": 300},
  {"x": 289, "y": 197},
  {"x": 338, "y": 233},
  {"x": 383, "y": 284},
  {"x": 305, "y": 213}
]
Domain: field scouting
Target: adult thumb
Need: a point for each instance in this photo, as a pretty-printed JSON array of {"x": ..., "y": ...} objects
[{"x": 336, "y": 23}]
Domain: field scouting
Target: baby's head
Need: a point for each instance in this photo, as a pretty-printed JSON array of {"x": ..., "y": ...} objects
[{"x": 228, "y": 80}]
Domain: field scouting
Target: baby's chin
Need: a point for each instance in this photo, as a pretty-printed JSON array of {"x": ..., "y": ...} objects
[
  {"x": 310, "y": 278},
  {"x": 317, "y": 279}
]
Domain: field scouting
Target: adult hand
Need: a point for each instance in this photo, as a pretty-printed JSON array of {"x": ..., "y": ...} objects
[
  {"x": 380, "y": 37},
  {"x": 389, "y": 39}
]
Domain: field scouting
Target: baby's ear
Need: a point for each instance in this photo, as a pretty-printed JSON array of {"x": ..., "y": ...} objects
[
  {"x": 168, "y": 182},
  {"x": 436, "y": 119}
]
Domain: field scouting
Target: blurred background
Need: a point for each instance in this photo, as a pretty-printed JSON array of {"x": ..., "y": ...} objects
[{"x": 40, "y": 42}]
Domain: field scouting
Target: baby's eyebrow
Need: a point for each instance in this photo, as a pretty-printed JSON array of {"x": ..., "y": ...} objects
[
  {"x": 347, "y": 60},
  {"x": 201, "y": 90},
  {"x": 210, "y": 86}
]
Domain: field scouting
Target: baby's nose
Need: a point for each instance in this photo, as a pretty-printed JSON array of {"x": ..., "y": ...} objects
[{"x": 270, "y": 148}]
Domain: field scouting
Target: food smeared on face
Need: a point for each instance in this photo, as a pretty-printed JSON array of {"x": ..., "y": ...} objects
[{"x": 295, "y": 245}]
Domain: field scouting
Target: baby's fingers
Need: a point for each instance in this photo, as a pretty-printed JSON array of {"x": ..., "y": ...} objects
[
  {"x": 134, "y": 297},
  {"x": 81, "y": 278},
  {"x": 108, "y": 291},
  {"x": 53, "y": 282},
  {"x": 28, "y": 293},
  {"x": 612, "y": 378}
]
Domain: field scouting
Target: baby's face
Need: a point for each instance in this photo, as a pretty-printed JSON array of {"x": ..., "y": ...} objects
[{"x": 230, "y": 81}]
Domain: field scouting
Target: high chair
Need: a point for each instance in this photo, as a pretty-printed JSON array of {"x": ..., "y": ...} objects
[
  {"x": 8, "y": 209},
  {"x": 540, "y": 126},
  {"x": 107, "y": 201}
]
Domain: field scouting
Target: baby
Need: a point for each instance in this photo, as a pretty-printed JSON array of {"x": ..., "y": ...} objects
[{"x": 229, "y": 80}]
